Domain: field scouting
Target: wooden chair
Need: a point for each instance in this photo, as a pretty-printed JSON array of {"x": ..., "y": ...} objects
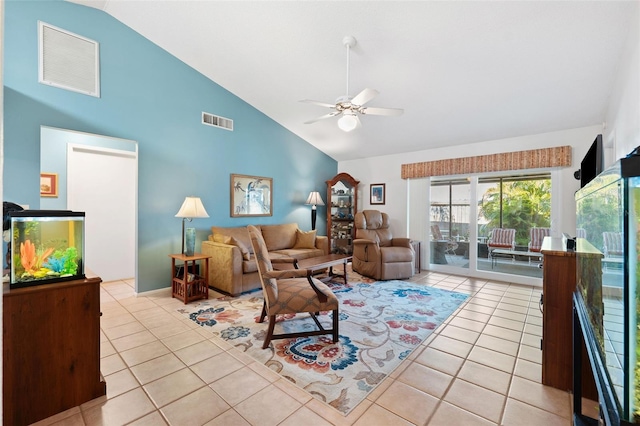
[
  {"x": 536, "y": 235},
  {"x": 291, "y": 291},
  {"x": 502, "y": 238}
]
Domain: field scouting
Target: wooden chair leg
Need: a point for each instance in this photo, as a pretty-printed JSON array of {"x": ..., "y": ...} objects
[
  {"x": 335, "y": 326},
  {"x": 272, "y": 324},
  {"x": 264, "y": 311}
]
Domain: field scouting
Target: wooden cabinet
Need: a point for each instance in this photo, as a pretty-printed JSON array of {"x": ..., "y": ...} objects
[
  {"x": 51, "y": 349},
  {"x": 559, "y": 283},
  {"x": 342, "y": 196}
]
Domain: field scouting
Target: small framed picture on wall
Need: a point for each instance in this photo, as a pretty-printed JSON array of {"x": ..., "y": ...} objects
[
  {"x": 48, "y": 184},
  {"x": 377, "y": 191}
]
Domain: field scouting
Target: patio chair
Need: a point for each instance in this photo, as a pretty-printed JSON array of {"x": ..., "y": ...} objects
[
  {"x": 291, "y": 291},
  {"x": 612, "y": 244},
  {"x": 581, "y": 233},
  {"x": 452, "y": 246},
  {"x": 501, "y": 238},
  {"x": 536, "y": 236}
]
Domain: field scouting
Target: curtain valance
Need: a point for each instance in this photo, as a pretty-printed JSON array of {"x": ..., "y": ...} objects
[{"x": 519, "y": 160}]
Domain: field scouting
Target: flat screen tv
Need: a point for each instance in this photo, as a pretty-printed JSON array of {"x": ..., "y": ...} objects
[{"x": 593, "y": 162}]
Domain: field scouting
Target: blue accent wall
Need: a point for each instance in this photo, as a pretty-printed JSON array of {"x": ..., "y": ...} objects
[{"x": 151, "y": 97}]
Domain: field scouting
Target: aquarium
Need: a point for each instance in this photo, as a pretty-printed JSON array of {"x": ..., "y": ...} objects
[
  {"x": 46, "y": 246},
  {"x": 608, "y": 222}
]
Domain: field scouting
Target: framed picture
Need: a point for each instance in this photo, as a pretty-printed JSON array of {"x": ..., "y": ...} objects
[
  {"x": 377, "y": 193},
  {"x": 48, "y": 184},
  {"x": 251, "y": 196}
]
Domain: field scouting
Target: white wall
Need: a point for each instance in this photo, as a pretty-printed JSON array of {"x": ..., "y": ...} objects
[
  {"x": 623, "y": 115},
  {"x": 406, "y": 201},
  {"x": 386, "y": 169}
]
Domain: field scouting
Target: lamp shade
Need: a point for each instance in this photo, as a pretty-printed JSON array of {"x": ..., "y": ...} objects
[
  {"x": 315, "y": 199},
  {"x": 192, "y": 207}
]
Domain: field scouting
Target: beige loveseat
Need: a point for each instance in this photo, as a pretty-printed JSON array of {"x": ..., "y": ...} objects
[{"x": 232, "y": 267}]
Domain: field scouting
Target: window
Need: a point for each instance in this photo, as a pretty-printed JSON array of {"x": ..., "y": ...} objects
[{"x": 518, "y": 202}]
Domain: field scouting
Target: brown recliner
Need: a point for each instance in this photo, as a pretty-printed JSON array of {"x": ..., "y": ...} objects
[{"x": 376, "y": 253}]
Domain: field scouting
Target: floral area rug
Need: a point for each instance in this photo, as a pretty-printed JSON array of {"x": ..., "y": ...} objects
[{"x": 381, "y": 323}]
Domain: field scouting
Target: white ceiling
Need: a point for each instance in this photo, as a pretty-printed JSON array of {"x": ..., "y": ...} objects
[{"x": 463, "y": 71}]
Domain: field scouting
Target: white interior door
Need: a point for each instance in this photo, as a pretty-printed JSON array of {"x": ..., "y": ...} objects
[{"x": 102, "y": 183}]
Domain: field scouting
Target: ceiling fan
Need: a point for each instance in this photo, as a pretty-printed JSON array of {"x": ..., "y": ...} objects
[{"x": 349, "y": 108}]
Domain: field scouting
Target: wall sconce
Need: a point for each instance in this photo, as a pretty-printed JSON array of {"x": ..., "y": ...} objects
[
  {"x": 315, "y": 200},
  {"x": 192, "y": 207}
]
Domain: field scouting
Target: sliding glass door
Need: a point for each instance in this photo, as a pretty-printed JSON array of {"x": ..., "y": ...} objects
[
  {"x": 450, "y": 221},
  {"x": 462, "y": 233},
  {"x": 519, "y": 203}
]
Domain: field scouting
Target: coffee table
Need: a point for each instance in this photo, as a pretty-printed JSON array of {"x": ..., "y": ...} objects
[{"x": 318, "y": 263}]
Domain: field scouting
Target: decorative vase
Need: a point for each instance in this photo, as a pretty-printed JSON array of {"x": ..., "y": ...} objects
[{"x": 190, "y": 241}]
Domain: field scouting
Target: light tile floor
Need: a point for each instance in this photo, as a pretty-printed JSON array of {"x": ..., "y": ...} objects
[{"x": 481, "y": 367}]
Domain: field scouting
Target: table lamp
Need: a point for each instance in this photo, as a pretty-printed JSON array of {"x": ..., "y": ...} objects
[
  {"x": 192, "y": 207},
  {"x": 315, "y": 200}
]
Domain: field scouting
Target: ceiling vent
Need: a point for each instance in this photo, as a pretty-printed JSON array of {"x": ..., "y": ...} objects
[
  {"x": 68, "y": 61},
  {"x": 217, "y": 121}
]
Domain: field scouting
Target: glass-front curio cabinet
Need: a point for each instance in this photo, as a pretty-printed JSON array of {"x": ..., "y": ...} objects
[
  {"x": 342, "y": 196},
  {"x": 606, "y": 301}
]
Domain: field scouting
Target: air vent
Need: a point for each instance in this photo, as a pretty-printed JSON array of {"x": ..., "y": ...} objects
[
  {"x": 217, "y": 121},
  {"x": 68, "y": 61}
]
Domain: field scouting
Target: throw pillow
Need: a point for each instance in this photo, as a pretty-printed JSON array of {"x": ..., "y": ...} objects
[
  {"x": 243, "y": 249},
  {"x": 225, "y": 239},
  {"x": 305, "y": 240},
  {"x": 219, "y": 238}
]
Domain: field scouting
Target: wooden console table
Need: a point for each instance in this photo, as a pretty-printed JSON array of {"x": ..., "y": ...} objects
[
  {"x": 559, "y": 283},
  {"x": 51, "y": 349}
]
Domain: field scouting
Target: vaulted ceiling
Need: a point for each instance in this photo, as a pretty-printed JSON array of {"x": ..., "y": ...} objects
[{"x": 463, "y": 72}]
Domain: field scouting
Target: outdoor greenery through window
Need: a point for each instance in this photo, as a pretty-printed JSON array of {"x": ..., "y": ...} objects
[{"x": 517, "y": 202}]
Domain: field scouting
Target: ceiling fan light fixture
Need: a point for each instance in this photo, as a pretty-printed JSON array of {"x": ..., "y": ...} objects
[
  {"x": 350, "y": 108},
  {"x": 348, "y": 121}
]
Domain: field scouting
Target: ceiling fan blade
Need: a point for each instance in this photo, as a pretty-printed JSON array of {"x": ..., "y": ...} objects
[
  {"x": 365, "y": 96},
  {"x": 324, "y": 104},
  {"x": 322, "y": 117},
  {"x": 382, "y": 111}
]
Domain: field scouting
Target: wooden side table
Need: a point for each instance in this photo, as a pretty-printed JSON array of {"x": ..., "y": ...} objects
[{"x": 190, "y": 286}]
